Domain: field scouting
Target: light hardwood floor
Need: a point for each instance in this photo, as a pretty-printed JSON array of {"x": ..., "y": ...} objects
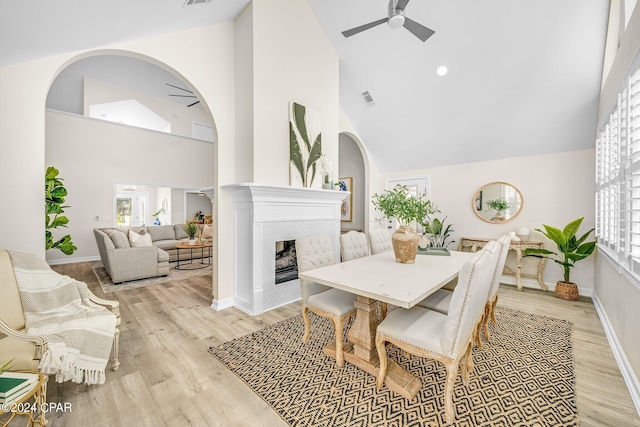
[{"x": 167, "y": 377}]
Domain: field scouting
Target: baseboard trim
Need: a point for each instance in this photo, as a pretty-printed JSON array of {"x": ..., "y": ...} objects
[
  {"x": 73, "y": 260},
  {"x": 218, "y": 304},
  {"x": 618, "y": 352},
  {"x": 530, "y": 283}
]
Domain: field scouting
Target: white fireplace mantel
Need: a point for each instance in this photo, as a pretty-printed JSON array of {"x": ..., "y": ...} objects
[{"x": 264, "y": 215}]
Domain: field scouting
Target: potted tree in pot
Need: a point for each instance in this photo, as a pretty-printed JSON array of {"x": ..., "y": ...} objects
[
  {"x": 498, "y": 205},
  {"x": 406, "y": 209},
  {"x": 570, "y": 250},
  {"x": 434, "y": 241},
  {"x": 191, "y": 228}
]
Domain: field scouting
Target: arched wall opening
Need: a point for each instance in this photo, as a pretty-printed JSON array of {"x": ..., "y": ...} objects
[
  {"x": 354, "y": 163},
  {"x": 93, "y": 155}
]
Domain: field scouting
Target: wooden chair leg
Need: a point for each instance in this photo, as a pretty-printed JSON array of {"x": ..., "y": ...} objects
[
  {"x": 493, "y": 311},
  {"x": 339, "y": 355},
  {"x": 476, "y": 335},
  {"x": 307, "y": 324},
  {"x": 485, "y": 321},
  {"x": 116, "y": 350},
  {"x": 452, "y": 372},
  {"x": 382, "y": 357}
]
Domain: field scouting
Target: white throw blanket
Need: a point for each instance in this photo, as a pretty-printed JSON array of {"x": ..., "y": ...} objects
[{"x": 79, "y": 332}]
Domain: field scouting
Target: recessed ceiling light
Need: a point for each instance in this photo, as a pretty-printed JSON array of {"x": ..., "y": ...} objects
[{"x": 442, "y": 70}]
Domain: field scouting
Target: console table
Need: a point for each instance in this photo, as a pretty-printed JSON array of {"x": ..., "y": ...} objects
[{"x": 474, "y": 244}]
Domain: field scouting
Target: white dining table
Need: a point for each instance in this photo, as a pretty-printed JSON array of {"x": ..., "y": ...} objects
[{"x": 380, "y": 278}]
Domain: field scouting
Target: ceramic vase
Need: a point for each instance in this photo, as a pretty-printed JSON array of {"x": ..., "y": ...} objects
[
  {"x": 192, "y": 242},
  {"x": 405, "y": 245}
]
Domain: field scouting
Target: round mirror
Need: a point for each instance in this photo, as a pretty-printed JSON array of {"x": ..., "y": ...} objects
[{"x": 497, "y": 202}]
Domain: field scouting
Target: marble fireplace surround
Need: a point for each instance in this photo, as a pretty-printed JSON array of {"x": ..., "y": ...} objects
[{"x": 264, "y": 215}]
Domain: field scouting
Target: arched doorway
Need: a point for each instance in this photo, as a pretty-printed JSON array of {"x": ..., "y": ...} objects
[
  {"x": 93, "y": 154},
  {"x": 352, "y": 164}
]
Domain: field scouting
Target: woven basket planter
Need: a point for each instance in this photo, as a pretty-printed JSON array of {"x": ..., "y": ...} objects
[{"x": 567, "y": 291}]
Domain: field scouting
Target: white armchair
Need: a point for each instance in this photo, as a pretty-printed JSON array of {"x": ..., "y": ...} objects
[
  {"x": 445, "y": 338},
  {"x": 315, "y": 252},
  {"x": 23, "y": 349}
]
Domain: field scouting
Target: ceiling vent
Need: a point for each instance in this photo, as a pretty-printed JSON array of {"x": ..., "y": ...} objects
[
  {"x": 368, "y": 99},
  {"x": 194, "y": 2}
]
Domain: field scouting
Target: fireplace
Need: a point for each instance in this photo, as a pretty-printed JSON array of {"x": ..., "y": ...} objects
[
  {"x": 286, "y": 262},
  {"x": 265, "y": 215}
]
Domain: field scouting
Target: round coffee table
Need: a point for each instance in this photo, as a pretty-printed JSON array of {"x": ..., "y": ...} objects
[{"x": 191, "y": 265}]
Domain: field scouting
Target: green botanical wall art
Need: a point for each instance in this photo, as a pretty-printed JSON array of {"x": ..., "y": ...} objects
[
  {"x": 54, "y": 198},
  {"x": 305, "y": 147}
]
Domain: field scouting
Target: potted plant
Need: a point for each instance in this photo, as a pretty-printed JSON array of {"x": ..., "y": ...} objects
[
  {"x": 437, "y": 235},
  {"x": 191, "y": 228},
  {"x": 499, "y": 205},
  {"x": 406, "y": 209},
  {"x": 570, "y": 250},
  {"x": 55, "y": 192}
]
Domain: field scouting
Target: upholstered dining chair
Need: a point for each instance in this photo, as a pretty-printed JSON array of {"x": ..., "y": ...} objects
[
  {"x": 353, "y": 245},
  {"x": 380, "y": 240},
  {"x": 441, "y": 299},
  {"x": 447, "y": 338},
  {"x": 492, "y": 298},
  {"x": 315, "y": 252}
]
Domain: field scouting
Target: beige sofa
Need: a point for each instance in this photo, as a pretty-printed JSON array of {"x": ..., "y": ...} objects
[{"x": 124, "y": 262}]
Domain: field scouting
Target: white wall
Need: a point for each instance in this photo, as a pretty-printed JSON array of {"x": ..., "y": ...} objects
[
  {"x": 293, "y": 61},
  {"x": 548, "y": 199},
  {"x": 352, "y": 165},
  {"x": 92, "y": 155},
  {"x": 196, "y": 203}
]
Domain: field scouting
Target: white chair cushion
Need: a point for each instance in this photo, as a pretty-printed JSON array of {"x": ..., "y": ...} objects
[
  {"x": 353, "y": 245},
  {"x": 333, "y": 301},
  {"x": 417, "y": 326},
  {"x": 313, "y": 252},
  {"x": 438, "y": 301}
]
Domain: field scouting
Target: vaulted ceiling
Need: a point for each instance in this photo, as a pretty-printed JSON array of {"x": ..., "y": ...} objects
[{"x": 523, "y": 76}]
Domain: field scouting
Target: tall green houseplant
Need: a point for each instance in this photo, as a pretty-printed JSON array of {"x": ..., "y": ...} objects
[{"x": 54, "y": 199}]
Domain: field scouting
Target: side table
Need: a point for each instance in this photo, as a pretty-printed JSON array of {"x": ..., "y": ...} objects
[
  {"x": 32, "y": 405},
  {"x": 478, "y": 243}
]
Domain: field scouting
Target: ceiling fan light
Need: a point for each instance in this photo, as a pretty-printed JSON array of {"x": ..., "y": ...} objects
[{"x": 396, "y": 21}]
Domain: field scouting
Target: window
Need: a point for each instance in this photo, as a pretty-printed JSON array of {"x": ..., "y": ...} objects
[
  {"x": 132, "y": 209},
  {"x": 618, "y": 178}
]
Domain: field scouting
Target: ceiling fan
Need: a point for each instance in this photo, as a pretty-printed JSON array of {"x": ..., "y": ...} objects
[
  {"x": 396, "y": 19},
  {"x": 184, "y": 96}
]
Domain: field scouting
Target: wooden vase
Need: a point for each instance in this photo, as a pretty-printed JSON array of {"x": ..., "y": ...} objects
[
  {"x": 567, "y": 291},
  {"x": 405, "y": 245}
]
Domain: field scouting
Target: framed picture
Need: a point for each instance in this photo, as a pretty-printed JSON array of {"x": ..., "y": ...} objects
[{"x": 346, "y": 213}]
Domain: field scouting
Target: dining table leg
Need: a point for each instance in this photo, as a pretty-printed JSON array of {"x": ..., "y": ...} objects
[{"x": 361, "y": 350}]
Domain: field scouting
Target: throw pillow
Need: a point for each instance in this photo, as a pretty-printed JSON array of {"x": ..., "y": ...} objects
[
  {"x": 139, "y": 241},
  {"x": 207, "y": 231},
  {"x": 118, "y": 238}
]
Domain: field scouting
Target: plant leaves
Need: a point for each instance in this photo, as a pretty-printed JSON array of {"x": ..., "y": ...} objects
[
  {"x": 299, "y": 113},
  {"x": 314, "y": 156},
  {"x": 296, "y": 154},
  {"x": 572, "y": 228},
  {"x": 556, "y": 235}
]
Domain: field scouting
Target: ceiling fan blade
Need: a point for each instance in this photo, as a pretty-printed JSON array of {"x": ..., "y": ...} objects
[
  {"x": 184, "y": 96},
  {"x": 418, "y": 30},
  {"x": 191, "y": 105},
  {"x": 401, "y": 4},
  {"x": 186, "y": 90},
  {"x": 361, "y": 28}
]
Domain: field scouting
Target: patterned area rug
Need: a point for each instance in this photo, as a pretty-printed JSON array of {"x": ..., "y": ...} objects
[
  {"x": 523, "y": 377},
  {"x": 108, "y": 286}
]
